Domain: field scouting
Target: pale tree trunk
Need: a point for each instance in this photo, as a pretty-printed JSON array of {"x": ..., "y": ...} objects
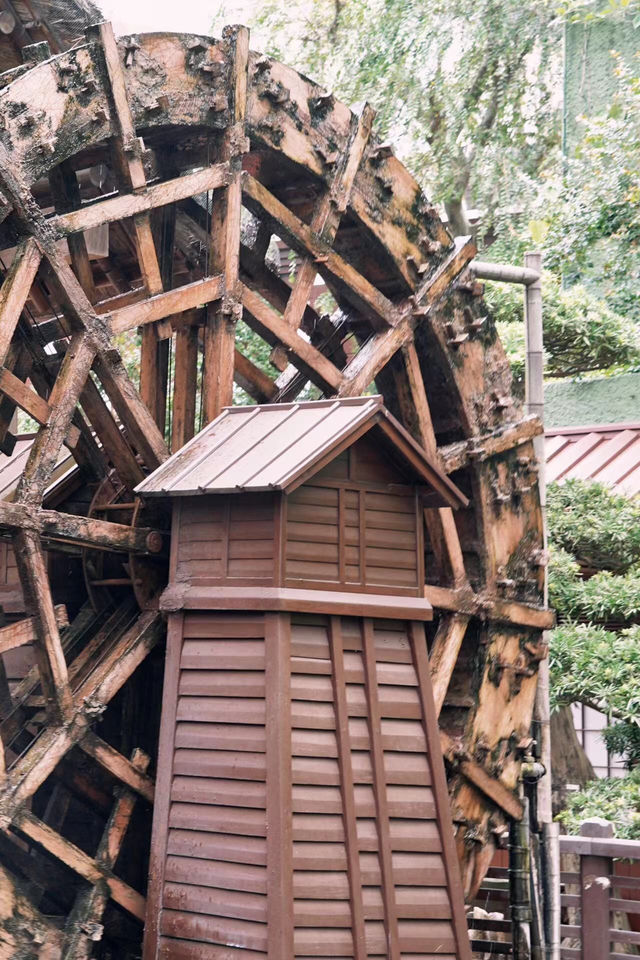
[{"x": 569, "y": 762}]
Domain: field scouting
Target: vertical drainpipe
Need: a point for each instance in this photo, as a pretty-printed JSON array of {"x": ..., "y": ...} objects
[{"x": 534, "y": 400}]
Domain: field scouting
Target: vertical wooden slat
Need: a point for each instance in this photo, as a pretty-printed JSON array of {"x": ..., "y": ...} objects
[
  {"x": 220, "y": 326},
  {"x": 347, "y": 787},
  {"x": 184, "y": 390},
  {"x": 455, "y": 889},
  {"x": 342, "y": 546},
  {"x": 48, "y": 647},
  {"x": 160, "y": 829},
  {"x": 279, "y": 794},
  {"x": 362, "y": 534},
  {"x": 380, "y": 790}
]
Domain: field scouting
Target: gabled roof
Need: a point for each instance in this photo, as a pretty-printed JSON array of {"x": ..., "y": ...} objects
[
  {"x": 278, "y": 446},
  {"x": 609, "y": 453}
]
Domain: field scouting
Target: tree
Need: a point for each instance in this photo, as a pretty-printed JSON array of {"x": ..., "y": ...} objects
[{"x": 594, "y": 586}]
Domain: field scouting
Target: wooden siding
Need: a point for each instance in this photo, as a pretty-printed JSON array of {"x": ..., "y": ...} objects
[
  {"x": 358, "y": 538},
  {"x": 304, "y": 816},
  {"x": 227, "y": 538}
]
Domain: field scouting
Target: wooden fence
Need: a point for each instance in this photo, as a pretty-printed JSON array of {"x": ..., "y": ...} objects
[{"x": 600, "y": 894}]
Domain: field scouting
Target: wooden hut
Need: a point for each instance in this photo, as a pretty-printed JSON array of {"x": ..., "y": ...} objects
[{"x": 302, "y": 803}]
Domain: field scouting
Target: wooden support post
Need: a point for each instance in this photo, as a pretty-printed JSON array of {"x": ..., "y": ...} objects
[
  {"x": 594, "y": 894},
  {"x": 48, "y": 648},
  {"x": 185, "y": 384},
  {"x": 83, "y": 926},
  {"x": 224, "y": 257},
  {"x": 24, "y": 397}
]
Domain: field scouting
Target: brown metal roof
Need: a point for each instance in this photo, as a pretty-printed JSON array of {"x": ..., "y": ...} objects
[
  {"x": 608, "y": 453},
  {"x": 276, "y": 446}
]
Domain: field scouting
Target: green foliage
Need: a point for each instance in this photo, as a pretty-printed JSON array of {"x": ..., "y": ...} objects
[
  {"x": 591, "y": 665},
  {"x": 595, "y": 228},
  {"x": 604, "y": 598},
  {"x": 617, "y": 800},
  {"x": 581, "y": 334},
  {"x": 594, "y": 653},
  {"x": 601, "y": 529}
]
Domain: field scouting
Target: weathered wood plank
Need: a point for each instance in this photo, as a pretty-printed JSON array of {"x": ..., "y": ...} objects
[
  {"x": 444, "y": 652},
  {"x": 66, "y": 527},
  {"x": 185, "y": 386},
  {"x": 321, "y": 370},
  {"x": 48, "y": 647},
  {"x": 130, "y": 204},
  {"x": 24, "y": 397},
  {"x": 24, "y": 631},
  {"x": 187, "y": 297},
  {"x": 15, "y": 290},
  {"x": 33, "y": 828},
  {"x": 118, "y": 765}
]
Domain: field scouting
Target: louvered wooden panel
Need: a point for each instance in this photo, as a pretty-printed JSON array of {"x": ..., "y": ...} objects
[{"x": 214, "y": 888}]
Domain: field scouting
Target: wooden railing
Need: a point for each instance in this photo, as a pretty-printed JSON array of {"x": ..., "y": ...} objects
[{"x": 599, "y": 891}]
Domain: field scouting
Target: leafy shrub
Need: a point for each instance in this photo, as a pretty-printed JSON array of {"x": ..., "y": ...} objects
[{"x": 616, "y": 799}]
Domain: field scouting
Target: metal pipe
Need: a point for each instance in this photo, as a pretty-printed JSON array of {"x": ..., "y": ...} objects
[
  {"x": 504, "y": 273},
  {"x": 519, "y": 879},
  {"x": 534, "y": 400}
]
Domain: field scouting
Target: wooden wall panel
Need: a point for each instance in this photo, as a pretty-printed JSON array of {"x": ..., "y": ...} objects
[{"x": 214, "y": 893}]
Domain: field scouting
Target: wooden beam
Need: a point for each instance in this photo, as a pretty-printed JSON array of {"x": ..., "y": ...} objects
[
  {"x": 118, "y": 765},
  {"x": 224, "y": 256},
  {"x": 24, "y": 631},
  {"x": 15, "y": 290},
  {"x": 253, "y": 380},
  {"x": 113, "y": 441},
  {"x": 372, "y": 357},
  {"x": 78, "y": 861},
  {"x": 24, "y": 397},
  {"x": 444, "y": 652},
  {"x": 48, "y": 647},
  {"x": 141, "y": 428},
  {"x": 45, "y": 451},
  {"x": 478, "y": 776},
  {"x": 356, "y": 288},
  {"x": 187, "y": 297},
  {"x": 123, "y": 205},
  {"x": 328, "y": 212},
  {"x": 456, "y": 456},
  {"x": 90, "y": 904},
  {"x": 464, "y": 601},
  {"x": 68, "y": 528},
  {"x": 272, "y": 328}
]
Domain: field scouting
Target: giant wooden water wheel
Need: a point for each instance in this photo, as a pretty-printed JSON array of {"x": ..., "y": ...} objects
[{"x": 143, "y": 183}]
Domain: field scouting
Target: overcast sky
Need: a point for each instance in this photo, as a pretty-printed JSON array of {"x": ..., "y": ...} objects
[{"x": 188, "y": 16}]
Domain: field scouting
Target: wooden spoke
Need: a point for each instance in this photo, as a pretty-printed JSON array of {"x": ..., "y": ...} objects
[
  {"x": 444, "y": 654},
  {"x": 83, "y": 925},
  {"x": 252, "y": 380},
  {"x": 92, "y": 870},
  {"x": 185, "y": 387},
  {"x": 118, "y": 766},
  {"x": 15, "y": 290},
  {"x": 356, "y": 288},
  {"x": 273, "y": 329},
  {"x": 66, "y": 196},
  {"x": 48, "y": 648},
  {"x": 219, "y": 333},
  {"x": 24, "y": 397},
  {"x": 166, "y": 304},
  {"x": 326, "y": 218}
]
